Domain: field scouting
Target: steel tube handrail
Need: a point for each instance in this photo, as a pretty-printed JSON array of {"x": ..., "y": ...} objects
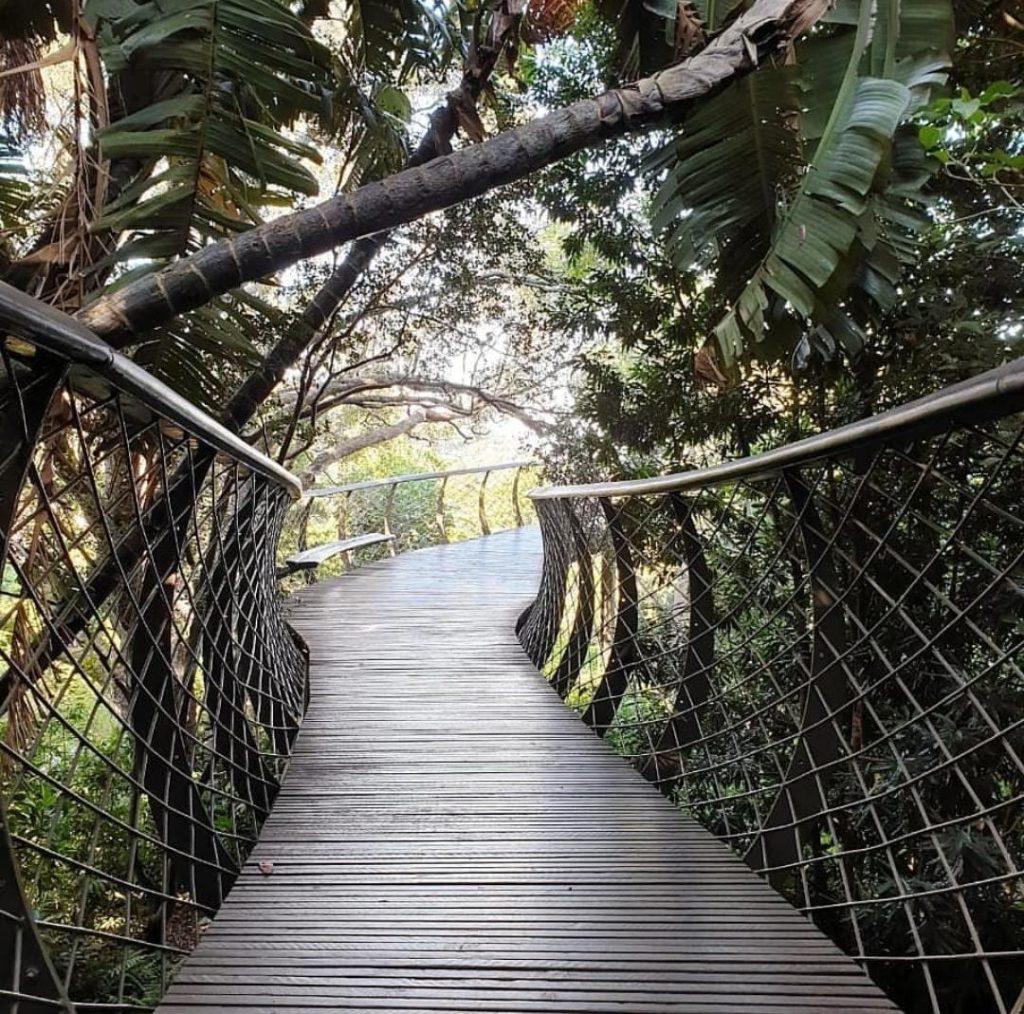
[
  {"x": 398, "y": 480},
  {"x": 389, "y": 485},
  {"x": 983, "y": 394},
  {"x": 150, "y": 688},
  {"x": 62, "y": 335}
]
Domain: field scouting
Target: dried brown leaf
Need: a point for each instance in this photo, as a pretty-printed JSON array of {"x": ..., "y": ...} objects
[{"x": 706, "y": 369}]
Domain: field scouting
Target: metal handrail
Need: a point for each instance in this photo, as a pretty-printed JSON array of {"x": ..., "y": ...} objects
[
  {"x": 43, "y": 327},
  {"x": 390, "y": 485},
  {"x": 815, "y": 651},
  {"x": 984, "y": 396},
  {"x": 398, "y": 480},
  {"x": 150, "y": 689}
]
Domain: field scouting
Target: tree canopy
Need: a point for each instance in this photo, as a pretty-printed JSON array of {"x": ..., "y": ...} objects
[
  {"x": 789, "y": 229},
  {"x": 829, "y": 219}
]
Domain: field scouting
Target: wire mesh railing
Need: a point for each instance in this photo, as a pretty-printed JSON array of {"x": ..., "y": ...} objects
[
  {"x": 150, "y": 690},
  {"x": 416, "y": 510},
  {"x": 817, "y": 653}
]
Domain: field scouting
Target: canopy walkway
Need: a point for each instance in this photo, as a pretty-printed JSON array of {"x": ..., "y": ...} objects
[
  {"x": 405, "y": 788},
  {"x": 450, "y": 837}
]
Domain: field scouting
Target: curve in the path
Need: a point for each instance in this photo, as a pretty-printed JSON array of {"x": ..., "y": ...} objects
[{"x": 451, "y": 838}]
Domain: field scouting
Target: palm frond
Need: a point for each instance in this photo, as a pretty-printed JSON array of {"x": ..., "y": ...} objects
[
  {"x": 802, "y": 188},
  {"x": 203, "y": 355},
  {"x": 219, "y": 147}
]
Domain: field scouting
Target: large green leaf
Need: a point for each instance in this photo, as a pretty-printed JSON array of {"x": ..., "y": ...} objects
[
  {"x": 248, "y": 89},
  {"x": 220, "y": 147},
  {"x": 801, "y": 188},
  {"x": 727, "y": 174}
]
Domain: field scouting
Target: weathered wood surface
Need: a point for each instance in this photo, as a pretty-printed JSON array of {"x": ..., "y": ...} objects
[
  {"x": 310, "y": 559},
  {"x": 451, "y": 838}
]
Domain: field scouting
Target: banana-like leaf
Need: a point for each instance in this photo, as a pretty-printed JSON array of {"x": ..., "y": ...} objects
[
  {"x": 653, "y": 33},
  {"x": 728, "y": 173},
  {"x": 245, "y": 70},
  {"x": 817, "y": 232},
  {"x": 801, "y": 187}
]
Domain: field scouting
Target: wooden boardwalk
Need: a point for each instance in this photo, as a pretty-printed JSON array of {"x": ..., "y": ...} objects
[{"x": 451, "y": 838}]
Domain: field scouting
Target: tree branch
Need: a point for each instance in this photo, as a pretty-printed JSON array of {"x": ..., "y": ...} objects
[
  {"x": 443, "y": 125},
  {"x": 347, "y": 446},
  {"x": 367, "y": 392},
  {"x": 762, "y": 32}
]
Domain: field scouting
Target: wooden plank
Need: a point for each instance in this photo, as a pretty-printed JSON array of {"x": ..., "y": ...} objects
[
  {"x": 451, "y": 838},
  {"x": 310, "y": 559}
]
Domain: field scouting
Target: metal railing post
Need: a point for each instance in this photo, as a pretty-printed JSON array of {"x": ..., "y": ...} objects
[
  {"x": 485, "y": 528},
  {"x": 516, "y": 508},
  {"x": 442, "y": 525},
  {"x": 389, "y": 519}
]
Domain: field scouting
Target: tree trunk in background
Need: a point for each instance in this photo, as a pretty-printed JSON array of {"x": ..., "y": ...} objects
[{"x": 347, "y": 446}]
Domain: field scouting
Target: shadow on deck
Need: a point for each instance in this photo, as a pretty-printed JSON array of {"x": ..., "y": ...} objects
[{"x": 451, "y": 838}]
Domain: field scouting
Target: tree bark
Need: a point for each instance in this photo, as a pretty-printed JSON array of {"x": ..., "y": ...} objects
[
  {"x": 764, "y": 31},
  {"x": 360, "y": 392},
  {"x": 370, "y": 438}
]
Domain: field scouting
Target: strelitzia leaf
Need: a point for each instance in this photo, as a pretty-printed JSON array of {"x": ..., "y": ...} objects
[
  {"x": 247, "y": 69},
  {"x": 729, "y": 169},
  {"x": 801, "y": 186}
]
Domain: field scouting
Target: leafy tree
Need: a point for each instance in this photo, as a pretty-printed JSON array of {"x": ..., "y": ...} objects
[
  {"x": 657, "y": 387},
  {"x": 432, "y": 333}
]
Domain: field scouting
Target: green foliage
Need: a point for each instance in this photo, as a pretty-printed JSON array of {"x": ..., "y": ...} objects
[
  {"x": 15, "y": 197},
  {"x": 928, "y": 292},
  {"x": 41, "y": 810},
  {"x": 801, "y": 189},
  {"x": 200, "y": 119},
  {"x": 243, "y": 73},
  {"x": 979, "y": 135}
]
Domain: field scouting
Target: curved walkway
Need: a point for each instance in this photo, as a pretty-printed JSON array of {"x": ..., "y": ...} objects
[{"x": 451, "y": 838}]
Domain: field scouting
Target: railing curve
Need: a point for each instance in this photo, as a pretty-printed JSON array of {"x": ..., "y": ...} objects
[
  {"x": 150, "y": 689},
  {"x": 817, "y": 652},
  {"x": 416, "y": 509}
]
